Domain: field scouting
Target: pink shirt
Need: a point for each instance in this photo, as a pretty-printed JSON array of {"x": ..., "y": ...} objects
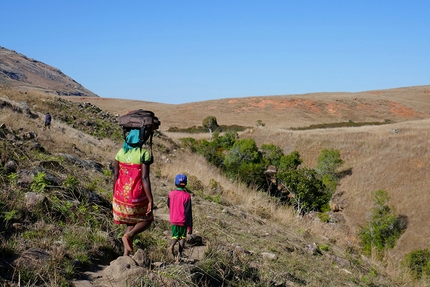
[{"x": 179, "y": 202}]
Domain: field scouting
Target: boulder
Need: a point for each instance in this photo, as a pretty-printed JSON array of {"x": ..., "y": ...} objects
[{"x": 124, "y": 269}]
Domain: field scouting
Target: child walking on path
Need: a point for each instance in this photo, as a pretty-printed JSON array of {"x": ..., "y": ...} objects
[{"x": 181, "y": 218}]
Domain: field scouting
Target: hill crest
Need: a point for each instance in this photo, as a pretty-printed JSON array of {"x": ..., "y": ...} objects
[{"x": 23, "y": 73}]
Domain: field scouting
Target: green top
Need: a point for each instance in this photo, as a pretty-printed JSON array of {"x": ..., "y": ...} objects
[{"x": 133, "y": 156}]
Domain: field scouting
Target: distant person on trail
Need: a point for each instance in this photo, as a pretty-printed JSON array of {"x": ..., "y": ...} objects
[
  {"x": 47, "y": 121},
  {"x": 181, "y": 218},
  {"x": 132, "y": 196}
]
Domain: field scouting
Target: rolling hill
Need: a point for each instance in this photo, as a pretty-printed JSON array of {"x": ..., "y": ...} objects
[
  {"x": 378, "y": 157},
  {"x": 392, "y": 156}
]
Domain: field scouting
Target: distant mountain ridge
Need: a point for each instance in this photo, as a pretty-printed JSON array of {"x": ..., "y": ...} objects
[{"x": 22, "y": 73}]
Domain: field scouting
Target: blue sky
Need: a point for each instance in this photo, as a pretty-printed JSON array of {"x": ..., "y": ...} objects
[{"x": 188, "y": 51}]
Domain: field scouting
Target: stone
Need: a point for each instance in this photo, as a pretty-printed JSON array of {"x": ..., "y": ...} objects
[
  {"x": 141, "y": 258},
  {"x": 124, "y": 268},
  {"x": 194, "y": 240},
  {"x": 268, "y": 255},
  {"x": 32, "y": 199},
  {"x": 11, "y": 167}
]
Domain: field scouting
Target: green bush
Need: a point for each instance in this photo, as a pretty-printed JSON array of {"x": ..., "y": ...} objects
[
  {"x": 244, "y": 163},
  {"x": 324, "y": 217},
  {"x": 418, "y": 262},
  {"x": 210, "y": 123},
  {"x": 291, "y": 161},
  {"x": 328, "y": 162},
  {"x": 308, "y": 193},
  {"x": 385, "y": 227},
  {"x": 272, "y": 154}
]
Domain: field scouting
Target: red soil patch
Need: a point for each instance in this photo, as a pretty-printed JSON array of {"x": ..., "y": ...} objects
[
  {"x": 280, "y": 104},
  {"x": 365, "y": 107},
  {"x": 333, "y": 108},
  {"x": 401, "y": 111}
]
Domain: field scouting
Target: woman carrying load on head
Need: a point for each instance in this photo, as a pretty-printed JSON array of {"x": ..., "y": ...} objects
[{"x": 132, "y": 196}]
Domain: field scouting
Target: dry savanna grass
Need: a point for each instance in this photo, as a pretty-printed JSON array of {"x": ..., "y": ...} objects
[{"x": 392, "y": 157}]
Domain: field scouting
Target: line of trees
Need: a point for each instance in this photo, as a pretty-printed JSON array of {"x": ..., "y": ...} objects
[{"x": 305, "y": 189}]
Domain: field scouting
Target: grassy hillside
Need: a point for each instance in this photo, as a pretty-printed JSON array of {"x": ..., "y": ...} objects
[
  {"x": 390, "y": 156},
  {"x": 72, "y": 228},
  {"x": 283, "y": 112}
]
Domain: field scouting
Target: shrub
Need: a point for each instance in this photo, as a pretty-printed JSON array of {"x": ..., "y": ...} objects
[
  {"x": 324, "y": 217},
  {"x": 194, "y": 183},
  {"x": 244, "y": 163},
  {"x": 210, "y": 123},
  {"x": 328, "y": 162},
  {"x": 291, "y": 161},
  {"x": 418, "y": 262},
  {"x": 308, "y": 193},
  {"x": 260, "y": 123},
  {"x": 272, "y": 154},
  {"x": 385, "y": 227}
]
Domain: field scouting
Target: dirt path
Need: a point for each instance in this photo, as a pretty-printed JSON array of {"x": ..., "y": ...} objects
[{"x": 99, "y": 278}]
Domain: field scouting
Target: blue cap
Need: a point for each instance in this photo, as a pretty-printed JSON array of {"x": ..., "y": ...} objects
[{"x": 181, "y": 180}]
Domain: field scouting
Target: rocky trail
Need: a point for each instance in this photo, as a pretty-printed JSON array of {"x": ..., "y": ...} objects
[{"x": 128, "y": 270}]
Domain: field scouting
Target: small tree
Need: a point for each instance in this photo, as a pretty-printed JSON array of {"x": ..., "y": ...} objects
[
  {"x": 385, "y": 227},
  {"x": 328, "y": 162},
  {"x": 227, "y": 140},
  {"x": 244, "y": 162},
  {"x": 244, "y": 150},
  {"x": 307, "y": 191},
  {"x": 211, "y": 124}
]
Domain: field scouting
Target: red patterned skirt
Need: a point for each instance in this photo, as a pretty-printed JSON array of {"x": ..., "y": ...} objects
[{"x": 130, "y": 202}]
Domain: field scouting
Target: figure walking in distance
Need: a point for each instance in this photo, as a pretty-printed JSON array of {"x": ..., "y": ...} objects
[
  {"x": 181, "y": 218},
  {"x": 48, "y": 119},
  {"x": 132, "y": 195}
]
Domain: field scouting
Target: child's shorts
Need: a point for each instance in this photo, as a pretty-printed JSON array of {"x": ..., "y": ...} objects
[{"x": 179, "y": 232}]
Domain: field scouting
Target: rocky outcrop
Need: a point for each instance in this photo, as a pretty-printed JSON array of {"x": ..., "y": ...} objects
[{"x": 19, "y": 71}]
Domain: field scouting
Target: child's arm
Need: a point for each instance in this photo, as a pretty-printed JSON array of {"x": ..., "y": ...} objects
[{"x": 189, "y": 216}]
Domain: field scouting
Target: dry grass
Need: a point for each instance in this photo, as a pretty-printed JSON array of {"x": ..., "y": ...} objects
[
  {"x": 283, "y": 112},
  {"x": 378, "y": 159}
]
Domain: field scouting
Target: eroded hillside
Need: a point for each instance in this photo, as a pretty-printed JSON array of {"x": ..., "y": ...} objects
[{"x": 285, "y": 112}]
